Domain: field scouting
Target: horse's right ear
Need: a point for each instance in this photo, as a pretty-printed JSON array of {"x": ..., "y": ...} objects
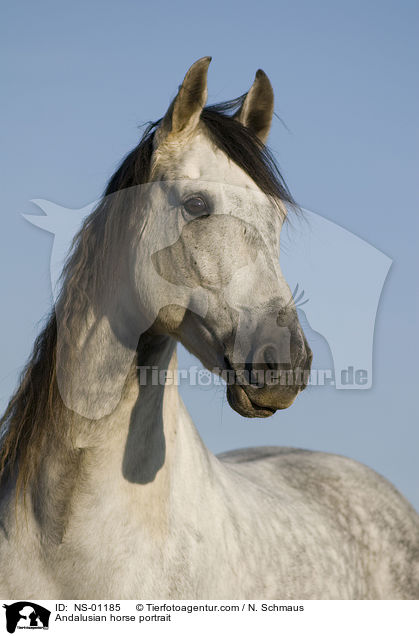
[{"x": 184, "y": 112}]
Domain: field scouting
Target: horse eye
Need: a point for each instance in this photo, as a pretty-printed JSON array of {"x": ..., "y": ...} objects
[{"x": 196, "y": 206}]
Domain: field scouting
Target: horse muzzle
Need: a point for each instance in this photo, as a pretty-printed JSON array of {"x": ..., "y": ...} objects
[{"x": 265, "y": 385}]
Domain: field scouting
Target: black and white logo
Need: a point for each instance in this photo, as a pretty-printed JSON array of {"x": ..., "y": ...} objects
[{"x": 26, "y": 615}]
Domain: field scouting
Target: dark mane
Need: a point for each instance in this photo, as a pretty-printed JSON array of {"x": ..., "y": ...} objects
[
  {"x": 36, "y": 410},
  {"x": 243, "y": 147}
]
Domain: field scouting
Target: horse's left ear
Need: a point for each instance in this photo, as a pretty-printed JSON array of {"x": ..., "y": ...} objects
[
  {"x": 184, "y": 112},
  {"x": 258, "y": 107}
]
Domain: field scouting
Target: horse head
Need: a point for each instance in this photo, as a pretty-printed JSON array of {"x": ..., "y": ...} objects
[
  {"x": 185, "y": 243},
  {"x": 221, "y": 231}
]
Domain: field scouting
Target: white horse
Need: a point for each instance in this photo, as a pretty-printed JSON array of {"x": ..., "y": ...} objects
[{"x": 107, "y": 489}]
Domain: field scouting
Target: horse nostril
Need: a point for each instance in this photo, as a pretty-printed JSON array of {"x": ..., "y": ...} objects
[
  {"x": 266, "y": 357},
  {"x": 270, "y": 357}
]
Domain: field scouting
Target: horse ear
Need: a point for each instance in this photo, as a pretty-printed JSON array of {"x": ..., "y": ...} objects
[
  {"x": 184, "y": 112},
  {"x": 258, "y": 107}
]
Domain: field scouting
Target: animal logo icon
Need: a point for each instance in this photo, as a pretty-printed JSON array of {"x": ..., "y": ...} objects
[
  {"x": 26, "y": 615},
  {"x": 340, "y": 275}
]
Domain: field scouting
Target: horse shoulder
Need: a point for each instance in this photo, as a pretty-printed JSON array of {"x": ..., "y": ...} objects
[{"x": 352, "y": 497}]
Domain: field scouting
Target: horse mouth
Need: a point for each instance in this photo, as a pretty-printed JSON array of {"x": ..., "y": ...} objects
[
  {"x": 243, "y": 405},
  {"x": 249, "y": 400}
]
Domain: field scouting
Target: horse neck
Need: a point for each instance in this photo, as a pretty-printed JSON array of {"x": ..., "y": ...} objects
[{"x": 138, "y": 462}]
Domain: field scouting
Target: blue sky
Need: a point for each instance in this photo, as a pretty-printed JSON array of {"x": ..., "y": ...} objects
[{"x": 79, "y": 79}]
